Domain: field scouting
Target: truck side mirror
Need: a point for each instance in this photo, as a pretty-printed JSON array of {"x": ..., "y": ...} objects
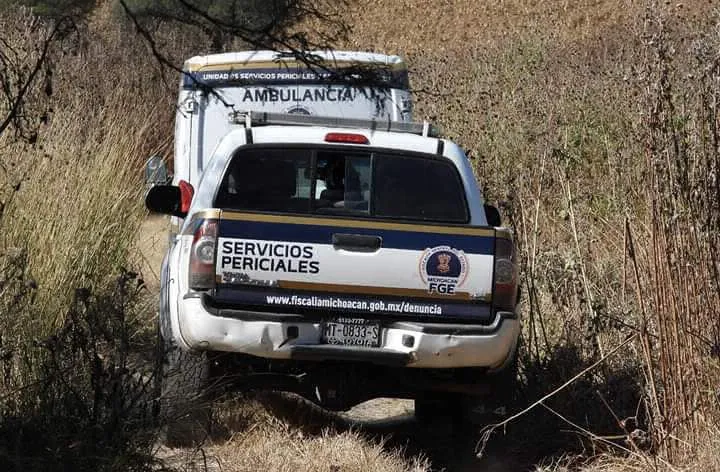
[
  {"x": 170, "y": 199},
  {"x": 156, "y": 171},
  {"x": 492, "y": 215}
]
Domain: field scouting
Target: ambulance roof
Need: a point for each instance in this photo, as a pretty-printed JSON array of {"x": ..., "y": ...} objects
[
  {"x": 266, "y": 58},
  {"x": 272, "y": 68}
]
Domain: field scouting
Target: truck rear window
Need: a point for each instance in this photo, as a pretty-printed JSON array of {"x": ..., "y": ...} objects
[{"x": 376, "y": 184}]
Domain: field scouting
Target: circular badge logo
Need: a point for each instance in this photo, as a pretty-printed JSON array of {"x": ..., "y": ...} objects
[{"x": 443, "y": 269}]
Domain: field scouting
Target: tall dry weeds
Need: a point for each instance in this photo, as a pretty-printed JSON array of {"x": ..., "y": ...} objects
[
  {"x": 74, "y": 384},
  {"x": 678, "y": 277},
  {"x": 76, "y": 191}
]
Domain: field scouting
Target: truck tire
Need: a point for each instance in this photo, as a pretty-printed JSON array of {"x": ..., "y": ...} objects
[
  {"x": 460, "y": 408},
  {"x": 505, "y": 383},
  {"x": 443, "y": 408},
  {"x": 183, "y": 405}
]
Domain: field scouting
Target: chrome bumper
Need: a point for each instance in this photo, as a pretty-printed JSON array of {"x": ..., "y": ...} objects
[{"x": 410, "y": 344}]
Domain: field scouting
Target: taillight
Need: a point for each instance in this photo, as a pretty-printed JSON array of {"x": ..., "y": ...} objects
[
  {"x": 506, "y": 277},
  {"x": 349, "y": 138},
  {"x": 186, "y": 195},
  {"x": 202, "y": 255}
]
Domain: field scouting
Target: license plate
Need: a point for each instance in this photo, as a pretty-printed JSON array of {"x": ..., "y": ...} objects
[{"x": 351, "y": 332}]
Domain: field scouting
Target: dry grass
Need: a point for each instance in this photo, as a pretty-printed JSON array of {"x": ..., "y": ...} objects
[
  {"x": 79, "y": 203},
  {"x": 707, "y": 460},
  {"x": 283, "y": 433},
  {"x": 271, "y": 447},
  {"x": 269, "y": 443},
  {"x": 591, "y": 124},
  {"x": 73, "y": 321}
]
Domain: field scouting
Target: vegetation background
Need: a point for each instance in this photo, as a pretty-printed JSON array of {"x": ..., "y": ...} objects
[{"x": 593, "y": 124}]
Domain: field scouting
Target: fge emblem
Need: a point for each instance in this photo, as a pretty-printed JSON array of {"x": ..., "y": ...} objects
[{"x": 443, "y": 269}]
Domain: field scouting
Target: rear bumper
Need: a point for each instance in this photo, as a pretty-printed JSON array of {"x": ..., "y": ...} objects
[{"x": 408, "y": 344}]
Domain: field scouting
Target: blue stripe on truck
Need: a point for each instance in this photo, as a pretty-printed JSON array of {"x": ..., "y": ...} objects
[{"x": 322, "y": 234}]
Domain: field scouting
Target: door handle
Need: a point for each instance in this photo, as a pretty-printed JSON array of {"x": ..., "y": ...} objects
[{"x": 356, "y": 242}]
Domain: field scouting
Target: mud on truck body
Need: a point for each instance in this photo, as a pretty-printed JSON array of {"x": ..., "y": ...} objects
[{"x": 341, "y": 257}]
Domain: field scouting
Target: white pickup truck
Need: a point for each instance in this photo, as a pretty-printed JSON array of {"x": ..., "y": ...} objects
[{"x": 340, "y": 257}]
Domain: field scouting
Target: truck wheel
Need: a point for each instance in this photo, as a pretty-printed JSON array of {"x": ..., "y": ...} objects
[
  {"x": 458, "y": 408},
  {"x": 444, "y": 408},
  {"x": 184, "y": 407},
  {"x": 505, "y": 384}
]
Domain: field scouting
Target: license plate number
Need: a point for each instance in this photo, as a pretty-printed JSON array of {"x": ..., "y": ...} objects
[{"x": 351, "y": 332}]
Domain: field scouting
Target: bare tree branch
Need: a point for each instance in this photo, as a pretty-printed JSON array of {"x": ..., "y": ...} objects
[
  {"x": 274, "y": 36},
  {"x": 17, "y": 98},
  {"x": 487, "y": 431}
]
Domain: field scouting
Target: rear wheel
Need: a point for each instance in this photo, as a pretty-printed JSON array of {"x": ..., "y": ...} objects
[
  {"x": 505, "y": 386},
  {"x": 184, "y": 405},
  {"x": 461, "y": 408},
  {"x": 443, "y": 408}
]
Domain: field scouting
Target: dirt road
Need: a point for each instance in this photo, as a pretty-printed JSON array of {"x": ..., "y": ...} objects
[{"x": 151, "y": 244}]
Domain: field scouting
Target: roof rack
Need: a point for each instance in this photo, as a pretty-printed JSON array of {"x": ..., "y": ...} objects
[{"x": 263, "y": 118}]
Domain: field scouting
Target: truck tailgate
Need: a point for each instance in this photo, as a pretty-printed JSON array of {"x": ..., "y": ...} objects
[{"x": 350, "y": 267}]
